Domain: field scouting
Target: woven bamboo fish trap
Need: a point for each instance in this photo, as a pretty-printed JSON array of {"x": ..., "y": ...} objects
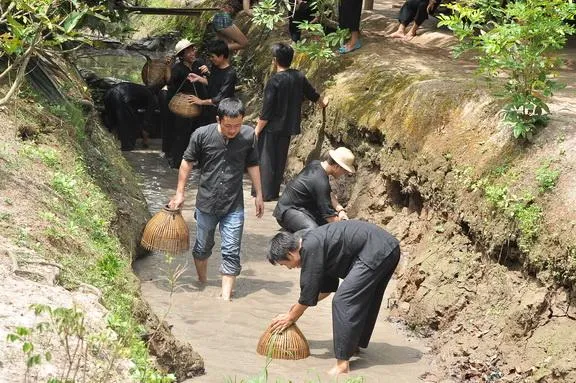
[
  {"x": 154, "y": 72},
  {"x": 288, "y": 344},
  {"x": 181, "y": 105},
  {"x": 166, "y": 231}
]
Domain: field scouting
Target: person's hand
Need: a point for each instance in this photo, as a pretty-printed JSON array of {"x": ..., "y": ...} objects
[
  {"x": 324, "y": 102},
  {"x": 177, "y": 201},
  {"x": 204, "y": 69},
  {"x": 282, "y": 322},
  {"x": 194, "y": 100},
  {"x": 259, "y": 203},
  {"x": 193, "y": 77},
  {"x": 342, "y": 215}
]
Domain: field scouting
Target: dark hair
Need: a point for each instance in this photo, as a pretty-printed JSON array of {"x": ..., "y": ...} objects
[
  {"x": 231, "y": 107},
  {"x": 280, "y": 245},
  {"x": 283, "y": 54},
  {"x": 218, "y": 48}
]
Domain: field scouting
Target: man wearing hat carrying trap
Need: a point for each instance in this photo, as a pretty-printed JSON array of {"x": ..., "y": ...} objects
[{"x": 308, "y": 201}]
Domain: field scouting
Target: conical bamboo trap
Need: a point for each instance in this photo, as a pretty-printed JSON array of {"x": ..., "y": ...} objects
[
  {"x": 288, "y": 344},
  {"x": 166, "y": 231},
  {"x": 181, "y": 105}
]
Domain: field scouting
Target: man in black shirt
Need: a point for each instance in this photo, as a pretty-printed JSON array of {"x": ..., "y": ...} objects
[
  {"x": 308, "y": 201},
  {"x": 222, "y": 151},
  {"x": 361, "y": 253},
  {"x": 280, "y": 117},
  {"x": 221, "y": 81}
]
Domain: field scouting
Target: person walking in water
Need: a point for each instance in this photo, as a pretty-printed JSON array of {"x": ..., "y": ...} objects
[
  {"x": 280, "y": 117},
  {"x": 222, "y": 151},
  {"x": 308, "y": 201}
]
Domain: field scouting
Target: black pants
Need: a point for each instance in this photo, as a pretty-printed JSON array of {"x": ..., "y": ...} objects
[
  {"x": 183, "y": 129},
  {"x": 349, "y": 13},
  {"x": 357, "y": 302},
  {"x": 273, "y": 150},
  {"x": 413, "y": 10},
  {"x": 294, "y": 220}
]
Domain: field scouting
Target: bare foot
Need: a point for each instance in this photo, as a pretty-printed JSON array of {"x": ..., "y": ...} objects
[
  {"x": 341, "y": 367},
  {"x": 397, "y": 35},
  {"x": 408, "y": 37}
]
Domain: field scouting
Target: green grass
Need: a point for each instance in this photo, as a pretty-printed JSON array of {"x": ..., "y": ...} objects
[{"x": 546, "y": 176}]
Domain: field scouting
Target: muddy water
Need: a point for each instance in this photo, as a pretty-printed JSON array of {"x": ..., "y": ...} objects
[{"x": 226, "y": 333}]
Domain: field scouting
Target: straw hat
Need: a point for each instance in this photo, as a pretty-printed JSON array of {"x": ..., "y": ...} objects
[
  {"x": 181, "y": 45},
  {"x": 343, "y": 157}
]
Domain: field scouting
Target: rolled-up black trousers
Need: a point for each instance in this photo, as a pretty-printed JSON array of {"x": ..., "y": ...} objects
[{"x": 357, "y": 302}]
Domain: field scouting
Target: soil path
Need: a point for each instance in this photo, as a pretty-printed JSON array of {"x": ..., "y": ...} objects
[{"x": 226, "y": 333}]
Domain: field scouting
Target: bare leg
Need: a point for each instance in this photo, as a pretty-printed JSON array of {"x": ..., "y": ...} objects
[
  {"x": 341, "y": 367},
  {"x": 145, "y": 139},
  {"x": 354, "y": 36},
  {"x": 228, "y": 282},
  {"x": 401, "y": 32},
  {"x": 234, "y": 36},
  {"x": 201, "y": 269},
  {"x": 411, "y": 33}
]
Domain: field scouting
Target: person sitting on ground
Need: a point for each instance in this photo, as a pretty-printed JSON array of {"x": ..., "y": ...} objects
[
  {"x": 308, "y": 201},
  {"x": 280, "y": 118},
  {"x": 223, "y": 24},
  {"x": 223, "y": 151},
  {"x": 363, "y": 255},
  {"x": 221, "y": 80},
  {"x": 417, "y": 11}
]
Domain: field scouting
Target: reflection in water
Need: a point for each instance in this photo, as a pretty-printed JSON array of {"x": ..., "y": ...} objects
[{"x": 120, "y": 64}]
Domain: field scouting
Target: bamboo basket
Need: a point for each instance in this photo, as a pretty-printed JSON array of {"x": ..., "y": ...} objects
[
  {"x": 166, "y": 231},
  {"x": 288, "y": 344},
  {"x": 181, "y": 105},
  {"x": 154, "y": 72}
]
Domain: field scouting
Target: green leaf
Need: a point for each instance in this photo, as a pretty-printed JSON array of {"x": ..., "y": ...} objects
[{"x": 72, "y": 20}]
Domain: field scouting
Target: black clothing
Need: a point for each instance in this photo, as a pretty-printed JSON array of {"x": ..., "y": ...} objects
[
  {"x": 349, "y": 13},
  {"x": 128, "y": 107},
  {"x": 283, "y": 97},
  {"x": 365, "y": 256},
  {"x": 414, "y": 10},
  {"x": 331, "y": 249},
  {"x": 273, "y": 149},
  {"x": 294, "y": 220},
  {"x": 222, "y": 163},
  {"x": 182, "y": 128},
  {"x": 308, "y": 192},
  {"x": 282, "y": 108},
  {"x": 221, "y": 85}
]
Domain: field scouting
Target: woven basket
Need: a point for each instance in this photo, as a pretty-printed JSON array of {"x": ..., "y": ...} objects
[
  {"x": 166, "y": 231},
  {"x": 288, "y": 344},
  {"x": 154, "y": 72},
  {"x": 181, "y": 105}
]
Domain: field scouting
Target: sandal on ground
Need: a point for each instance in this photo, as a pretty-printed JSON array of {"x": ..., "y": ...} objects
[{"x": 344, "y": 49}]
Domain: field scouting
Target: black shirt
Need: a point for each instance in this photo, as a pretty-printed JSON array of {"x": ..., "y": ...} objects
[
  {"x": 222, "y": 163},
  {"x": 221, "y": 83},
  {"x": 309, "y": 190},
  {"x": 179, "y": 83},
  {"x": 331, "y": 249},
  {"x": 283, "y": 97}
]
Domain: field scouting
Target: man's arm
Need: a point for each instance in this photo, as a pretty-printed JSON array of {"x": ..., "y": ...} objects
[
  {"x": 254, "y": 173},
  {"x": 267, "y": 107},
  {"x": 260, "y": 125},
  {"x": 183, "y": 172},
  {"x": 283, "y": 321}
]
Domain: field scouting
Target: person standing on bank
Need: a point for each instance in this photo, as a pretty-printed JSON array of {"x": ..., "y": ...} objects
[
  {"x": 183, "y": 127},
  {"x": 308, "y": 201},
  {"x": 363, "y": 255},
  {"x": 280, "y": 117},
  {"x": 349, "y": 14},
  {"x": 221, "y": 81},
  {"x": 222, "y": 151}
]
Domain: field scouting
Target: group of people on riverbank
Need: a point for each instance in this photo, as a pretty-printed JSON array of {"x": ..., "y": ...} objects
[{"x": 316, "y": 234}]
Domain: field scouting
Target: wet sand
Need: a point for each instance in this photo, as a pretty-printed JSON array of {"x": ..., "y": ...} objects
[{"x": 226, "y": 333}]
